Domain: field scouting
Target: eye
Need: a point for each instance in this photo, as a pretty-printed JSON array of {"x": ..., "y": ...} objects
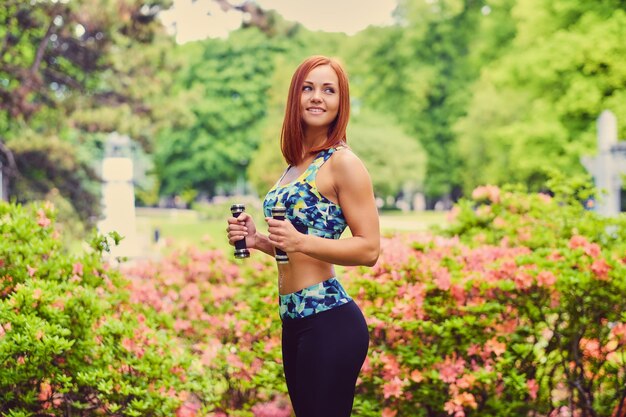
[
  {"x": 329, "y": 90},
  {"x": 306, "y": 88}
]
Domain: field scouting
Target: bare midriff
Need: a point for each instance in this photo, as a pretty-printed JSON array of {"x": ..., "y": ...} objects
[{"x": 302, "y": 271}]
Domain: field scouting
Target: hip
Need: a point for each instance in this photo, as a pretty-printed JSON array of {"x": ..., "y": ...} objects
[{"x": 312, "y": 300}]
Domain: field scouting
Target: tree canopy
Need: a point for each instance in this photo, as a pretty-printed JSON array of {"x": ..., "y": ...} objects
[{"x": 457, "y": 93}]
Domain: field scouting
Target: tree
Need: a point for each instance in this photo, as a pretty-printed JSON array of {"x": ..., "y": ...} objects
[
  {"x": 59, "y": 60},
  {"x": 396, "y": 162},
  {"x": 535, "y": 106},
  {"x": 219, "y": 99},
  {"x": 419, "y": 71}
]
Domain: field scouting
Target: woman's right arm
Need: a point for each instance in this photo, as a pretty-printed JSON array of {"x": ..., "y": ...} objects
[{"x": 243, "y": 227}]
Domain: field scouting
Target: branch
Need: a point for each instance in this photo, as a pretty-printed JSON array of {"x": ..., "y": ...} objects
[
  {"x": 258, "y": 17},
  {"x": 42, "y": 48},
  {"x": 585, "y": 395},
  {"x": 62, "y": 79}
]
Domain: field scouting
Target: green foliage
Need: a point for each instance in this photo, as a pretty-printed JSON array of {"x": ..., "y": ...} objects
[
  {"x": 519, "y": 311},
  {"x": 69, "y": 71},
  {"x": 267, "y": 163},
  {"x": 536, "y": 105},
  {"x": 221, "y": 100},
  {"x": 395, "y": 161},
  {"x": 70, "y": 340},
  {"x": 420, "y": 72},
  {"x": 53, "y": 167}
]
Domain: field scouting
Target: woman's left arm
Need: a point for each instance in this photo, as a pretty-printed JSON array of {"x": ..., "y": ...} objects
[{"x": 356, "y": 198}]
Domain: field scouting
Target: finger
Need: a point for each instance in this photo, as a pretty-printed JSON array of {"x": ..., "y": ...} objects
[
  {"x": 275, "y": 230},
  {"x": 236, "y": 237},
  {"x": 239, "y": 227},
  {"x": 244, "y": 217}
]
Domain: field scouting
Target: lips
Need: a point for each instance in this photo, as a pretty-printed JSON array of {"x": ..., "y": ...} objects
[{"x": 316, "y": 109}]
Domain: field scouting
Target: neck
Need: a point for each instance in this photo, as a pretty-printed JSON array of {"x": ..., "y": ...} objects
[{"x": 314, "y": 137}]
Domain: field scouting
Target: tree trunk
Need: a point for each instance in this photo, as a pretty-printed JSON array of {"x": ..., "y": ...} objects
[{"x": 8, "y": 170}]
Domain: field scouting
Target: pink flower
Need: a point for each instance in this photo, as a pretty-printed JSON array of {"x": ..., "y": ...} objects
[
  {"x": 77, "y": 269},
  {"x": 391, "y": 368},
  {"x": 466, "y": 381},
  {"x": 467, "y": 399},
  {"x": 591, "y": 348},
  {"x": 533, "y": 388},
  {"x": 187, "y": 410},
  {"x": 450, "y": 369},
  {"x": 276, "y": 408},
  {"x": 474, "y": 349},
  {"x": 388, "y": 412},
  {"x": 577, "y": 241},
  {"x": 555, "y": 256},
  {"x": 459, "y": 294},
  {"x": 42, "y": 219},
  {"x": 182, "y": 325},
  {"x": 592, "y": 250},
  {"x": 487, "y": 192},
  {"x": 493, "y": 345},
  {"x": 499, "y": 223},
  {"x": 600, "y": 269},
  {"x": 128, "y": 344},
  {"x": 442, "y": 279},
  {"x": 483, "y": 211},
  {"x": 416, "y": 376},
  {"x": 31, "y": 270},
  {"x": 45, "y": 393},
  {"x": 452, "y": 408},
  {"x": 546, "y": 279},
  {"x": 393, "y": 388},
  {"x": 619, "y": 330}
]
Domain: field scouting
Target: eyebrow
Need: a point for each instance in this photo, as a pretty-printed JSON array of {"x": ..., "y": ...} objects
[{"x": 311, "y": 82}]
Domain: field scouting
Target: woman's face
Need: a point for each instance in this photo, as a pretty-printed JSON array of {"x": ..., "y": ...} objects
[{"x": 319, "y": 102}]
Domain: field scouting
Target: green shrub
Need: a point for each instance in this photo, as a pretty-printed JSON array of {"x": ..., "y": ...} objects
[
  {"x": 519, "y": 311},
  {"x": 71, "y": 343}
]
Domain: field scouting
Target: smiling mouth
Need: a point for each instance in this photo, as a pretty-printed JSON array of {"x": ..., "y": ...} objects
[{"x": 315, "y": 110}]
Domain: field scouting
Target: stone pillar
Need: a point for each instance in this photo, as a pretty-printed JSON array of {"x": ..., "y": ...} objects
[
  {"x": 608, "y": 165},
  {"x": 118, "y": 196}
]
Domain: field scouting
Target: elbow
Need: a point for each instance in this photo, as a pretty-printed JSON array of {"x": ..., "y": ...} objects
[{"x": 371, "y": 256}]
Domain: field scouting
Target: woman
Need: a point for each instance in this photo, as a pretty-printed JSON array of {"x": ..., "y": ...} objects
[{"x": 324, "y": 189}]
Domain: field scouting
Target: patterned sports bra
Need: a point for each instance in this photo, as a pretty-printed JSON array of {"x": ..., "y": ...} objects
[{"x": 307, "y": 209}]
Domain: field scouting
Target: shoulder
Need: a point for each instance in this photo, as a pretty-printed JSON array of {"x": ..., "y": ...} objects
[
  {"x": 347, "y": 166},
  {"x": 345, "y": 158}
]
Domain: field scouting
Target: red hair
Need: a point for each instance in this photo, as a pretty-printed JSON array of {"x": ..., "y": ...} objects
[{"x": 292, "y": 136}]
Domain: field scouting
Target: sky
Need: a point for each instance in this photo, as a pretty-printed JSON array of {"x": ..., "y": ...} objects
[{"x": 199, "y": 19}]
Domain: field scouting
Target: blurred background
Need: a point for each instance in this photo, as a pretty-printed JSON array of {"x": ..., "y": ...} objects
[{"x": 152, "y": 117}]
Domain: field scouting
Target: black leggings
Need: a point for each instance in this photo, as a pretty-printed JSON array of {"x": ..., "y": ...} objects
[{"x": 322, "y": 357}]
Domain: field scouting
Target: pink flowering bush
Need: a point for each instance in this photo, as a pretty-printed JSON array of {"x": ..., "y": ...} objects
[
  {"x": 518, "y": 309},
  {"x": 515, "y": 309},
  {"x": 71, "y": 343},
  {"x": 227, "y": 313}
]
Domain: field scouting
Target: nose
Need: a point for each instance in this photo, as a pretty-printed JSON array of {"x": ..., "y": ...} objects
[{"x": 316, "y": 96}]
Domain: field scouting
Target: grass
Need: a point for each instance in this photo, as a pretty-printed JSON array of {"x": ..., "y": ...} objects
[{"x": 185, "y": 228}]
